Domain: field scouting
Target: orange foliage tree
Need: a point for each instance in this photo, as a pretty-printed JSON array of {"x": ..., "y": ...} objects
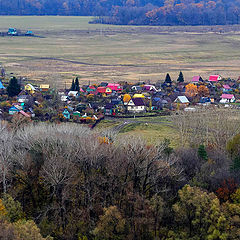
[
  {"x": 228, "y": 188},
  {"x": 203, "y": 91},
  {"x": 126, "y": 98},
  {"x": 191, "y": 90}
]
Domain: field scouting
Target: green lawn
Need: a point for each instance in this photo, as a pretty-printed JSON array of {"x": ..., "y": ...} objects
[{"x": 153, "y": 133}]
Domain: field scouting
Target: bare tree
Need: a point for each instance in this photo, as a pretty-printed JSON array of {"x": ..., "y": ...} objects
[{"x": 6, "y": 152}]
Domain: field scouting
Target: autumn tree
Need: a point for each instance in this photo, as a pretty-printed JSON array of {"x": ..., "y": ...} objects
[
  {"x": 199, "y": 214},
  {"x": 191, "y": 90},
  {"x": 111, "y": 225},
  {"x": 203, "y": 91},
  {"x": 13, "y": 208},
  {"x": 126, "y": 98}
]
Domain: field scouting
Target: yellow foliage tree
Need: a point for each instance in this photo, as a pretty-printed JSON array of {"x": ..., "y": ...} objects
[
  {"x": 111, "y": 225},
  {"x": 3, "y": 211},
  {"x": 191, "y": 90},
  {"x": 126, "y": 98},
  {"x": 28, "y": 230}
]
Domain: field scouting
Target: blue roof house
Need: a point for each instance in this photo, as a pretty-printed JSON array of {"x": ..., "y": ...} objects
[
  {"x": 1, "y": 86},
  {"x": 66, "y": 114},
  {"x": 13, "y": 110}
]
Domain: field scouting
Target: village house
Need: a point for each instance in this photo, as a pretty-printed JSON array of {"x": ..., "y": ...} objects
[
  {"x": 13, "y": 110},
  {"x": 66, "y": 114},
  {"x": 30, "y": 88},
  {"x": 227, "y": 98},
  {"x": 44, "y": 87},
  {"x": 214, "y": 78},
  {"x": 226, "y": 88},
  {"x": 136, "y": 105},
  {"x": 149, "y": 88},
  {"x": 138, "y": 95},
  {"x": 136, "y": 88},
  {"x": 115, "y": 87},
  {"x": 197, "y": 79},
  {"x": 181, "y": 101},
  {"x": 73, "y": 93},
  {"x": 1, "y": 86},
  {"x": 110, "y": 109}
]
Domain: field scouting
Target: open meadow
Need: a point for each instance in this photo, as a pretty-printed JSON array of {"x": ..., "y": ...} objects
[{"x": 70, "y": 46}]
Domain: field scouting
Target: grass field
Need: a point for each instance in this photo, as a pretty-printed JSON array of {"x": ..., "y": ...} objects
[
  {"x": 153, "y": 129},
  {"x": 70, "y": 47}
]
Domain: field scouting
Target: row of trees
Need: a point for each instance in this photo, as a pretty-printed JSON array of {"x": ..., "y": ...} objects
[
  {"x": 81, "y": 184},
  {"x": 147, "y": 12},
  {"x": 178, "y": 12}
]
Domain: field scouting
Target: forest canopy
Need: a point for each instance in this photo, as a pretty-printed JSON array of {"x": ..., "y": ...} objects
[{"x": 133, "y": 12}]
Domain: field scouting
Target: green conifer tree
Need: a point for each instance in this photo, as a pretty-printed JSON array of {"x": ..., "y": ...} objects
[
  {"x": 202, "y": 153},
  {"x": 73, "y": 86},
  {"x": 14, "y": 87},
  {"x": 180, "y": 77},
  {"x": 77, "y": 88},
  {"x": 168, "y": 79}
]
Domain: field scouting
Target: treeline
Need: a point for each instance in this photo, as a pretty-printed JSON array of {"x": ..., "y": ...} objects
[
  {"x": 177, "y": 12},
  {"x": 79, "y": 184},
  {"x": 137, "y": 12}
]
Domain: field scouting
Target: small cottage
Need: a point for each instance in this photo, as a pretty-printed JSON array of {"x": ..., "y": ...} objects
[
  {"x": 136, "y": 88},
  {"x": 73, "y": 93},
  {"x": 214, "y": 78},
  {"x": 110, "y": 109},
  {"x": 44, "y": 87},
  {"x": 149, "y": 88},
  {"x": 13, "y": 110},
  {"x": 66, "y": 114},
  {"x": 136, "y": 105},
  {"x": 227, "y": 98},
  {"x": 1, "y": 86},
  {"x": 115, "y": 87},
  {"x": 138, "y": 96},
  {"x": 226, "y": 88},
  {"x": 181, "y": 102},
  {"x": 30, "y": 88},
  {"x": 197, "y": 79}
]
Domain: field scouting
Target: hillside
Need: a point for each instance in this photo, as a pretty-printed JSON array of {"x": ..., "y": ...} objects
[{"x": 133, "y": 12}]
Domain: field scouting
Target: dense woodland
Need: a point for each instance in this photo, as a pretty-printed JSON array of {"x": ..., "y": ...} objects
[
  {"x": 144, "y": 12},
  {"x": 66, "y": 181}
]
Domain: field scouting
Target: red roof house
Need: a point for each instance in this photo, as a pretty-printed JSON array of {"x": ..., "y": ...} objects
[
  {"x": 115, "y": 86},
  {"x": 214, "y": 78},
  {"x": 101, "y": 89}
]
